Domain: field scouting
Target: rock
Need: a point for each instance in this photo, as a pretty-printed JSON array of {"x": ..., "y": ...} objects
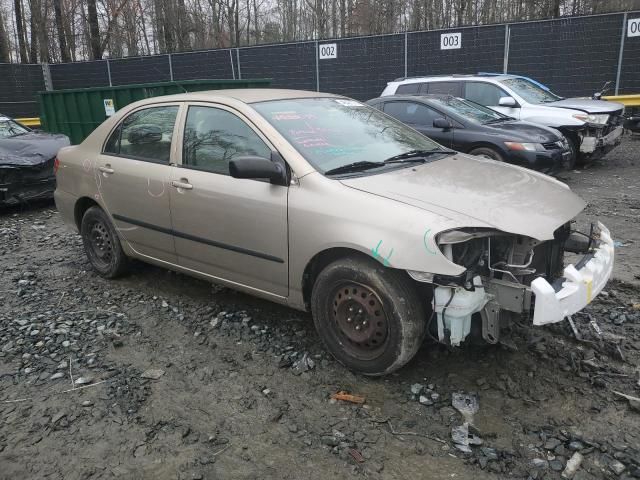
[
  {"x": 329, "y": 440},
  {"x": 152, "y": 373},
  {"x": 552, "y": 443},
  {"x": 57, "y": 417},
  {"x": 572, "y": 465},
  {"x": 87, "y": 403},
  {"x": 417, "y": 388},
  {"x": 540, "y": 463},
  {"x": 576, "y": 445},
  {"x": 66, "y": 344},
  {"x": 56, "y": 376},
  {"x": 83, "y": 381},
  {"x": 490, "y": 453},
  {"x": 425, "y": 400},
  {"x": 556, "y": 465},
  {"x": 617, "y": 467}
]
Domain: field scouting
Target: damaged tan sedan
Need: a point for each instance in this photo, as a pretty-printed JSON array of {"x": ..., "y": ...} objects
[{"x": 321, "y": 203}]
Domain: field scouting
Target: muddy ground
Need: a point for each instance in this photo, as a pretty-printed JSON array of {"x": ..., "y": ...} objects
[{"x": 240, "y": 388}]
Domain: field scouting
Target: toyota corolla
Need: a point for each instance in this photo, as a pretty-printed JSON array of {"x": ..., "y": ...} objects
[{"x": 322, "y": 203}]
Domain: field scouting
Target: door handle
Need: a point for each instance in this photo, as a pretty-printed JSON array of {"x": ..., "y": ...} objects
[
  {"x": 106, "y": 169},
  {"x": 183, "y": 185}
]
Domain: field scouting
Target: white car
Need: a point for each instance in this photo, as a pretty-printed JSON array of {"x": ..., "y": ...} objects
[{"x": 593, "y": 127}]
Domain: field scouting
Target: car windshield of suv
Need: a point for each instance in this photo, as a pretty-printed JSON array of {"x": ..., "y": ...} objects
[
  {"x": 469, "y": 110},
  {"x": 333, "y": 132},
  {"x": 531, "y": 92},
  {"x": 9, "y": 128}
]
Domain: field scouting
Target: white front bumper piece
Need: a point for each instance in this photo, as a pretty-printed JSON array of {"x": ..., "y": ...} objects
[{"x": 579, "y": 285}]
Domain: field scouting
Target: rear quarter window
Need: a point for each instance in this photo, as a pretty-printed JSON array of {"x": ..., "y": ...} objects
[{"x": 408, "y": 88}]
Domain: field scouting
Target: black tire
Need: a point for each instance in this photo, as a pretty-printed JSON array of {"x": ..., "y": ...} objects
[
  {"x": 574, "y": 146},
  {"x": 101, "y": 244},
  {"x": 387, "y": 308},
  {"x": 487, "y": 152}
]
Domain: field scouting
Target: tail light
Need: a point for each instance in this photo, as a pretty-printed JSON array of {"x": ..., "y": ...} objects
[{"x": 56, "y": 165}]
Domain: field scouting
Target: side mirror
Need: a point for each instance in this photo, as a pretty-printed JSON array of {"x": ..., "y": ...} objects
[
  {"x": 442, "y": 123},
  {"x": 255, "y": 167},
  {"x": 507, "y": 102}
]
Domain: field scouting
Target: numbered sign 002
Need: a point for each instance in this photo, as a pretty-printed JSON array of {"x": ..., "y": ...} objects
[
  {"x": 633, "y": 27},
  {"x": 450, "y": 40},
  {"x": 328, "y": 50}
]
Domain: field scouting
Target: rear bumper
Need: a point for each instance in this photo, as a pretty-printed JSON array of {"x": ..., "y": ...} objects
[
  {"x": 14, "y": 193},
  {"x": 580, "y": 284}
]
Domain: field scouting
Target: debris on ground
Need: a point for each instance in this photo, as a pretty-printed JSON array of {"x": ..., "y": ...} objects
[{"x": 347, "y": 397}]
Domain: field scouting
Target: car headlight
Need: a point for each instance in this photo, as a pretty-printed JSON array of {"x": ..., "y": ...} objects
[
  {"x": 529, "y": 147},
  {"x": 598, "y": 119}
]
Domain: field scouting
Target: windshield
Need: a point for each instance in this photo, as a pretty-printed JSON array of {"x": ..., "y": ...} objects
[
  {"x": 9, "y": 128},
  {"x": 531, "y": 92},
  {"x": 469, "y": 110},
  {"x": 333, "y": 132}
]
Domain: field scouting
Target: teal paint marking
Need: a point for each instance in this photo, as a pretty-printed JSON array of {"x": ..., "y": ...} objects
[
  {"x": 426, "y": 246},
  {"x": 378, "y": 256}
]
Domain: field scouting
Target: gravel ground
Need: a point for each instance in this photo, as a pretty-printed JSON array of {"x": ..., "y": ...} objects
[{"x": 162, "y": 376}]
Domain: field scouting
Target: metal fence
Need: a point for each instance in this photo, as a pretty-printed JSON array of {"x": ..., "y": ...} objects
[{"x": 574, "y": 56}]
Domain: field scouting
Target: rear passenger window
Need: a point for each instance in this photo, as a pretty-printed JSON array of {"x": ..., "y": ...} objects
[
  {"x": 408, "y": 88},
  {"x": 213, "y": 137},
  {"x": 485, "y": 94},
  {"x": 445, "y": 88},
  {"x": 413, "y": 113},
  {"x": 145, "y": 135}
]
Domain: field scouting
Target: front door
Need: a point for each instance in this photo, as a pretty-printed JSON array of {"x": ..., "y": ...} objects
[
  {"x": 231, "y": 229},
  {"x": 489, "y": 95},
  {"x": 133, "y": 175}
]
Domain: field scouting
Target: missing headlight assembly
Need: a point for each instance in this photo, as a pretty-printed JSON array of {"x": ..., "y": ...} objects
[{"x": 504, "y": 272}]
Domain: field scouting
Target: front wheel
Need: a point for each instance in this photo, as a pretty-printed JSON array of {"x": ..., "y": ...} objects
[
  {"x": 101, "y": 243},
  {"x": 487, "y": 152},
  {"x": 369, "y": 317}
]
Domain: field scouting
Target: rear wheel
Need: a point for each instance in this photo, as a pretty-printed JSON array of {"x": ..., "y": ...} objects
[
  {"x": 369, "y": 317},
  {"x": 101, "y": 244},
  {"x": 487, "y": 152}
]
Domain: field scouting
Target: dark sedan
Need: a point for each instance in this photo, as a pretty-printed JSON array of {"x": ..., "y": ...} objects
[
  {"x": 26, "y": 162},
  {"x": 468, "y": 127}
]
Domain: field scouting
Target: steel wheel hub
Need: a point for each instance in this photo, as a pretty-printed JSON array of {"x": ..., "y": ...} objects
[
  {"x": 101, "y": 242},
  {"x": 360, "y": 319}
]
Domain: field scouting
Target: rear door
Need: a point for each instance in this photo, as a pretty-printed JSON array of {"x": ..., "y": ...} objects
[
  {"x": 232, "y": 229},
  {"x": 420, "y": 117},
  {"x": 132, "y": 176},
  {"x": 443, "y": 88}
]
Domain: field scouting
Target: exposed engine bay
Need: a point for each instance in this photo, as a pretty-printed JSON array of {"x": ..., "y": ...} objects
[{"x": 505, "y": 272}]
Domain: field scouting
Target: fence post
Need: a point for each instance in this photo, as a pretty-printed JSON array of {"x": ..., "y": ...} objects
[
  {"x": 46, "y": 76},
  {"x": 233, "y": 69},
  {"x": 406, "y": 43},
  {"x": 238, "y": 60},
  {"x": 317, "y": 69},
  {"x": 109, "y": 73},
  {"x": 621, "y": 53},
  {"x": 170, "y": 67},
  {"x": 507, "y": 40}
]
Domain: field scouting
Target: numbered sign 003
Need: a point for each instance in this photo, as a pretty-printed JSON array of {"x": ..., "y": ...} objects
[
  {"x": 633, "y": 27},
  {"x": 328, "y": 50},
  {"x": 450, "y": 40}
]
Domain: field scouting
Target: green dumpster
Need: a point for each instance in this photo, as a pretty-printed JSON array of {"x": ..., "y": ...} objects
[{"x": 77, "y": 112}]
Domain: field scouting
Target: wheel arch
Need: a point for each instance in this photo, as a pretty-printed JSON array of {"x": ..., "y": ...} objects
[{"x": 82, "y": 205}]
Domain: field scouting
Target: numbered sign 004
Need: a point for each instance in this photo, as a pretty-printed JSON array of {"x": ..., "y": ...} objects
[
  {"x": 328, "y": 50},
  {"x": 450, "y": 40},
  {"x": 633, "y": 27}
]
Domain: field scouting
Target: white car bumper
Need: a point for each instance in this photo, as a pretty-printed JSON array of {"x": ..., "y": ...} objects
[{"x": 580, "y": 285}]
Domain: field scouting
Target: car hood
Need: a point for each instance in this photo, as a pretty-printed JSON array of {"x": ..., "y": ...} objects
[
  {"x": 587, "y": 105},
  {"x": 488, "y": 193},
  {"x": 525, "y": 131},
  {"x": 30, "y": 149}
]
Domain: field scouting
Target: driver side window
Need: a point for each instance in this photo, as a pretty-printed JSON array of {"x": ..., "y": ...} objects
[
  {"x": 485, "y": 94},
  {"x": 213, "y": 137}
]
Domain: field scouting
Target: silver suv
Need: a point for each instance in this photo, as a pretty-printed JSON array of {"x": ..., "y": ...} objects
[{"x": 593, "y": 127}]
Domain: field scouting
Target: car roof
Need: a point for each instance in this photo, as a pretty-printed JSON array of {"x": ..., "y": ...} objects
[
  {"x": 452, "y": 78},
  {"x": 244, "y": 95}
]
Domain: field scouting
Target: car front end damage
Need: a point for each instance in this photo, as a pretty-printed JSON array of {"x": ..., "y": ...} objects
[
  {"x": 600, "y": 134},
  {"x": 20, "y": 183},
  {"x": 508, "y": 275}
]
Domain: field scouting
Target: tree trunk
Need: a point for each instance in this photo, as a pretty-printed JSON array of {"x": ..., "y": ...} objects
[
  {"x": 62, "y": 39},
  {"x": 17, "y": 4},
  {"x": 34, "y": 27},
  {"x": 94, "y": 30},
  {"x": 4, "y": 42}
]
